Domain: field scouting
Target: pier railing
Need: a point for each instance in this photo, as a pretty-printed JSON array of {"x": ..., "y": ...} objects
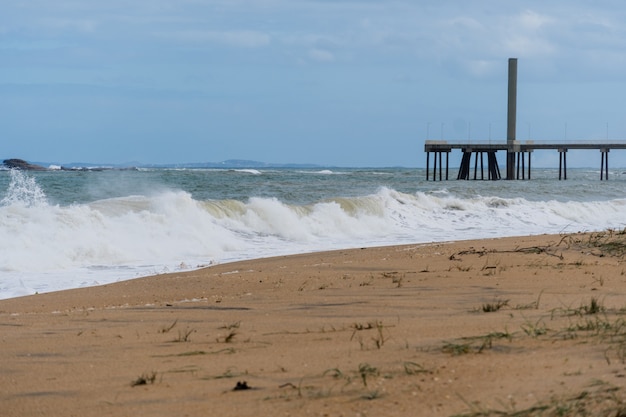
[{"x": 527, "y": 145}]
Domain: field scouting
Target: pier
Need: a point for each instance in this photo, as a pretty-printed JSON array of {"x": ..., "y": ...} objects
[
  {"x": 522, "y": 152},
  {"x": 517, "y": 151}
]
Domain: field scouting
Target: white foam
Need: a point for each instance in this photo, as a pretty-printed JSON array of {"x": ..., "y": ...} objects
[
  {"x": 46, "y": 247},
  {"x": 249, "y": 171}
]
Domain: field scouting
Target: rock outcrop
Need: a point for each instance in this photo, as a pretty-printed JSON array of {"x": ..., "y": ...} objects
[{"x": 21, "y": 164}]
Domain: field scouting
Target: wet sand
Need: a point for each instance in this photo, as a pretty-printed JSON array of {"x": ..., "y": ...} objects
[{"x": 527, "y": 325}]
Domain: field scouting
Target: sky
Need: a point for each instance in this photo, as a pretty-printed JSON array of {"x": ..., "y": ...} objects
[{"x": 349, "y": 83}]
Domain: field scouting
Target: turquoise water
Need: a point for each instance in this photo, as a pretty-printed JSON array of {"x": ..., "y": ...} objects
[{"x": 308, "y": 186}]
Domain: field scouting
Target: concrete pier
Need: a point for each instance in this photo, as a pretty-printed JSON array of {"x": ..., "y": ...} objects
[
  {"x": 520, "y": 171},
  {"x": 515, "y": 150}
]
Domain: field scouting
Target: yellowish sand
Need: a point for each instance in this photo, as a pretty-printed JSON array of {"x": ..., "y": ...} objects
[{"x": 392, "y": 331}]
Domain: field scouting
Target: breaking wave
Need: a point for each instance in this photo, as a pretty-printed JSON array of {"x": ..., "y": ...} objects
[{"x": 123, "y": 237}]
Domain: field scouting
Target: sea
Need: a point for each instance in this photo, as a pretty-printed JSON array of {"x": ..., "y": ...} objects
[{"x": 62, "y": 229}]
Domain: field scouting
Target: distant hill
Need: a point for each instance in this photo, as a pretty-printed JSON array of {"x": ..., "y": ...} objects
[{"x": 231, "y": 163}]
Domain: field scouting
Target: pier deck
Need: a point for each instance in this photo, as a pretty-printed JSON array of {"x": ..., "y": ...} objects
[{"x": 519, "y": 148}]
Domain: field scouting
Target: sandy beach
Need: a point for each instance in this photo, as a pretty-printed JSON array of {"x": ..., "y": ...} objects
[{"x": 514, "y": 326}]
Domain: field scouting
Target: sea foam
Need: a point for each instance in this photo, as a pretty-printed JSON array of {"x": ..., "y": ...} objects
[{"x": 47, "y": 247}]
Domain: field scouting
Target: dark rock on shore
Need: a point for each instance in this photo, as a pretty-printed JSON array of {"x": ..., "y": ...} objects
[
  {"x": 15, "y": 163},
  {"x": 21, "y": 164}
]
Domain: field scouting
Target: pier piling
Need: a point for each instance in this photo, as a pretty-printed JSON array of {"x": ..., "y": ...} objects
[
  {"x": 604, "y": 163},
  {"x": 562, "y": 163},
  {"x": 438, "y": 155},
  {"x": 511, "y": 119}
]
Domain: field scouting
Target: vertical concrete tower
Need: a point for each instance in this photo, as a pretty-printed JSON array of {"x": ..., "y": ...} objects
[{"x": 511, "y": 120}]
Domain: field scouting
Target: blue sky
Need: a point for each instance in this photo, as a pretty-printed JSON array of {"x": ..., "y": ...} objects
[{"x": 342, "y": 83}]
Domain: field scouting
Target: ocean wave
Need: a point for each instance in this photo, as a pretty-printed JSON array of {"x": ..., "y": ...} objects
[
  {"x": 248, "y": 171},
  {"x": 155, "y": 232}
]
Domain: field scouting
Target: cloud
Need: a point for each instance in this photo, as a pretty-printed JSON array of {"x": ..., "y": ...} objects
[
  {"x": 31, "y": 45},
  {"x": 527, "y": 46},
  {"x": 69, "y": 25},
  {"x": 482, "y": 68},
  {"x": 529, "y": 35},
  {"x": 531, "y": 20},
  {"x": 237, "y": 38},
  {"x": 321, "y": 55}
]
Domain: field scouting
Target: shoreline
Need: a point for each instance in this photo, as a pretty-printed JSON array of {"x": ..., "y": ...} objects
[
  {"x": 213, "y": 264},
  {"x": 445, "y": 328},
  {"x": 226, "y": 266}
]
